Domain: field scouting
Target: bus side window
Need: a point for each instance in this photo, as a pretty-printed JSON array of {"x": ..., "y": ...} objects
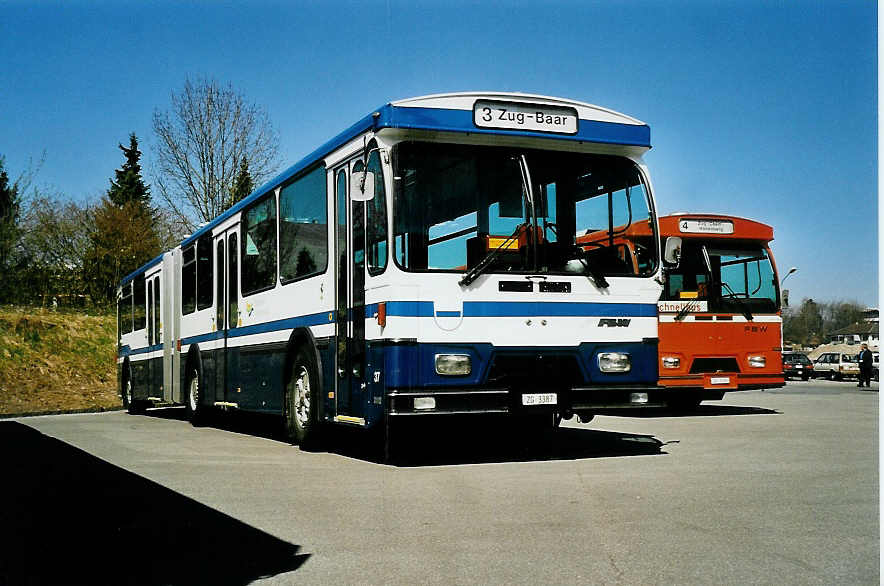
[
  {"x": 204, "y": 272},
  {"x": 156, "y": 310},
  {"x": 188, "y": 280},
  {"x": 125, "y": 310},
  {"x": 139, "y": 303},
  {"x": 376, "y": 220},
  {"x": 258, "y": 253},
  {"x": 303, "y": 227}
]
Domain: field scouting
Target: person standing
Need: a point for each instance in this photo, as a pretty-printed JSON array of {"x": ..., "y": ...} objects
[{"x": 865, "y": 366}]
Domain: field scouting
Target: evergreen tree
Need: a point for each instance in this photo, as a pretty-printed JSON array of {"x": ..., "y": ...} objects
[
  {"x": 125, "y": 233},
  {"x": 9, "y": 216},
  {"x": 243, "y": 184},
  {"x": 128, "y": 185}
]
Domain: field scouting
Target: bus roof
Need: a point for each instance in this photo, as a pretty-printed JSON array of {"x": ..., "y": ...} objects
[
  {"x": 142, "y": 269},
  {"x": 454, "y": 113},
  {"x": 690, "y": 225}
]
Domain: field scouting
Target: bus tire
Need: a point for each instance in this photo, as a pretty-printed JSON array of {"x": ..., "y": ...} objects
[
  {"x": 302, "y": 401},
  {"x": 126, "y": 393},
  {"x": 133, "y": 406},
  {"x": 195, "y": 408}
]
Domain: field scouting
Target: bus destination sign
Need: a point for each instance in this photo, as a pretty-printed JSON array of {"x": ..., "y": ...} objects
[
  {"x": 708, "y": 226},
  {"x": 513, "y": 116}
]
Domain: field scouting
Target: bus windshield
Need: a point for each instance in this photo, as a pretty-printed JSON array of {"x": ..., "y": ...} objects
[
  {"x": 733, "y": 279},
  {"x": 457, "y": 207}
]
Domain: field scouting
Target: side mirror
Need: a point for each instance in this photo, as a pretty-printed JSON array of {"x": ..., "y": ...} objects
[
  {"x": 672, "y": 251},
  {"x": 785, "y": 295},
  {"x": 362, "y": 186}
]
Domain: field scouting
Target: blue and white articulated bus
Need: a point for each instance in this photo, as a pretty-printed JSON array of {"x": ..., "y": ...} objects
[{"x": 424, "y": 262}]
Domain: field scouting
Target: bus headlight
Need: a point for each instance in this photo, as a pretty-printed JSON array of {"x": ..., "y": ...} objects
[
  {"x": 671, "y": 362},
  {"x": 757, "y": 361},
  {"x": 453, "y": 364},
  {"x": 614, "y": 362}
]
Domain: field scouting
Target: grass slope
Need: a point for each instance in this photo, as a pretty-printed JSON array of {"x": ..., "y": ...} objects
[{"x": 51, "y": 362}]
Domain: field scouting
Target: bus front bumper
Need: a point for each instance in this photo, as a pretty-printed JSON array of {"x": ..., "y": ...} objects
[
  {"x": 723, "y": 381},
  {"x": 455, "y": 401}
]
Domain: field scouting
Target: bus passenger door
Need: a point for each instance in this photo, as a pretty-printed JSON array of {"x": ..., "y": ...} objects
[
  {"x": 350, "y": 310},
  {"x": 226, "y": 312}
]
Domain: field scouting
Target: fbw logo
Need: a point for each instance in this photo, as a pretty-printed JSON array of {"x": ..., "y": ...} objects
[
  {"x": 755, "y": 329},
  {"x": 611, "y": 322}
]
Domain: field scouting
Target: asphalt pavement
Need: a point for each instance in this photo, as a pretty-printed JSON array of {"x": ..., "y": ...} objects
[{"x": 763, "y": 487}]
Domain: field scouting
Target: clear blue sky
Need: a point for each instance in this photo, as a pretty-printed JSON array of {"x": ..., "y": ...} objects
[{"x": 761, "y": 109}]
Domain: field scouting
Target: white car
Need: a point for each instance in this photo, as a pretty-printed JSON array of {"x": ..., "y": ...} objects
[{"x": 836, "y": 366}]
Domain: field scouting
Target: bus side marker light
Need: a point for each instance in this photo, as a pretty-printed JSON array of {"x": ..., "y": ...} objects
[
  {"x": 615, "y": 362},
  {"x": 382, "y": 313},
  {"x": 671, "y": 362},
  {"x": 424, "y": 403},
  {"x": 453, "y": 364},
  {"x": 757, "y": 361}
]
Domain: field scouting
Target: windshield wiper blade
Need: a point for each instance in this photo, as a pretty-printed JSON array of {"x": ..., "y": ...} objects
[
  {"x": 473, "y": 274},
  {"x": 597, "y": 277},
  {"x": 684, "y": 311},
  {"x": 743, "y": 307}
]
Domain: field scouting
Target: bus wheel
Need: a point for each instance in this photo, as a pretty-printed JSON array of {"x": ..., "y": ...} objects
[
  {"x": 128, "y": 403},
  {"x": 302, "y": 402},
  {"x": 132, "y": 405},
  {"x": 194, "y": 406}
]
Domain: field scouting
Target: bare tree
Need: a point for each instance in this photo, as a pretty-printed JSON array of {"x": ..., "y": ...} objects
[{"x": 202, "y": 144}]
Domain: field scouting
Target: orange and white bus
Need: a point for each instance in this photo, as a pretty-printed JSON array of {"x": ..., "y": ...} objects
[
  {"x": 719, "y": 321},
  {"x": 720, "y": 327}
]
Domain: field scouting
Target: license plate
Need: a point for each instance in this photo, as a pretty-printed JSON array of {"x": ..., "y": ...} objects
[
  {"x": 720, "y": 380},
  {"x": 539, "y": 399}
]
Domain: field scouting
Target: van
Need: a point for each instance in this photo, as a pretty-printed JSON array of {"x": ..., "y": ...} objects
[{"x": 836, "y": 366}]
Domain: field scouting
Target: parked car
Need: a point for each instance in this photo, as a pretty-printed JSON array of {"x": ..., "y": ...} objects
[
  {"x": 836, "y": 366},
  {"x": 797, "y": 365}
]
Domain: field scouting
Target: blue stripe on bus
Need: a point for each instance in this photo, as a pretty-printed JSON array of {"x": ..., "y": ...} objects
[
  {"x": 448, "y": 314},
  {"x": 517, "y": 309},
  {"x": 316, "y": 319},
  {"x": 562, "y": 309},
  {"x": 426, "y": 309},
  {"x": 128, "y": 351}
]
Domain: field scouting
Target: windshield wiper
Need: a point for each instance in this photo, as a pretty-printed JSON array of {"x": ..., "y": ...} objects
[
  {"x": 472, "y": 274},
  {"x": 597, "y": 277},
  {"x": 744, "y": 308},
  {"x": 531, "y": 227},
  {"x": 684, "y": 311}
]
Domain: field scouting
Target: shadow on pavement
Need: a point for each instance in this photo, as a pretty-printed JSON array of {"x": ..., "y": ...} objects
[
  {"x": 703, "y": 410},
  {"x": 452, "y": 442},
  {"x": 255, "y": 424},
  {"x": 447, "y": 440},
  {"x": 68, "y": 517}
]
